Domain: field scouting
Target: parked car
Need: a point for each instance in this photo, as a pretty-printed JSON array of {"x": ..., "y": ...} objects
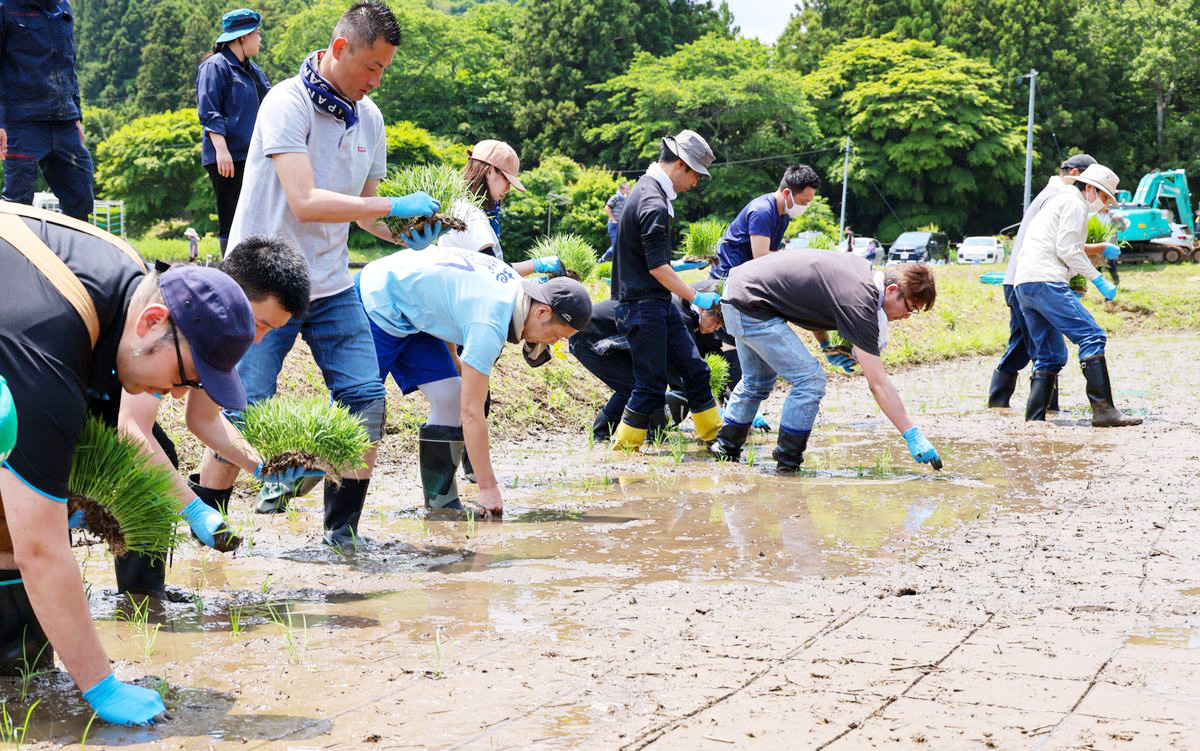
[
  {"x": 919, "y": 247},
  {"x": 802, "y": 240},
  {"x": 864, "y": 247},
  {"x": 981, "y": 249}
]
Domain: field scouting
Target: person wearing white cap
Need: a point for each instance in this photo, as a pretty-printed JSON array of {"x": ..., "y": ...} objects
[{"x": 1053, "y": 252}]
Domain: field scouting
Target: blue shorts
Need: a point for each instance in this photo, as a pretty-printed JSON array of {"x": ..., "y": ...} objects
[{"x": 412, "y": 360}]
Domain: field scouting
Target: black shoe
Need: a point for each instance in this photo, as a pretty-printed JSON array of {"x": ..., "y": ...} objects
[
  {"x": 656, "y": 427},
  {"x": 1041, "y": 388},
  {"x": 439, "y": 452},
  {"x": 1053, "y": 405},
  {"x": 1099, "y": 394},
  {"x": 343, "y": 507},
  {"x": 603, "y": 427},
  {"x": 677, "y": 406},
  {"x": 141, "y": 574},
  {"x": 1003, "y": 385},
  {"x": 24, "y": 647},
  {"x": 789, "y": 451},
  {"x": 730, "y": 439}
]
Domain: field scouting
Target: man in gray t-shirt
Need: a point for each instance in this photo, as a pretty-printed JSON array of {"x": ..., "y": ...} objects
[
  {"x": 316, "y": 156},
  {"x": 820, "y": 291}
]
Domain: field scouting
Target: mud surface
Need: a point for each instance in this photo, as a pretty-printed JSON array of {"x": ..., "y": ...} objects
[{"x": 1040, "y": 592}]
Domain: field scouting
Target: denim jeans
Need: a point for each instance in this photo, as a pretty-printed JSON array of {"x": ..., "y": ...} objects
[
  {"x": 659, "y": 343},
  {"x": 1051, "y": 312},
  {"x": 67, "y": 166},
  {"x": 338, "y": 333},
  {"x": 1016, "y": 355},
  {"x": 768, "y": 349},
  {"x": 612, "y": 242},
  {"x": 614, "y": 368}
]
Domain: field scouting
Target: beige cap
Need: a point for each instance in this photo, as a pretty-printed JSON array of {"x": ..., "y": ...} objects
[
  {"x": 501, "y": 156},
  {"x": 691, "y": 147},
  {"x": 1099, "y": 177}
]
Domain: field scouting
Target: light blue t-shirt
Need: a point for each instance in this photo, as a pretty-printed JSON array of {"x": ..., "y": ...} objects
[{"x": 456, "y": 295}]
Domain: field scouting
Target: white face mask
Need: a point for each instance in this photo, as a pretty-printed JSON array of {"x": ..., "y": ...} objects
[
  {"x": 1096, "y": 204},
  {"x": 796, "y": 210}
]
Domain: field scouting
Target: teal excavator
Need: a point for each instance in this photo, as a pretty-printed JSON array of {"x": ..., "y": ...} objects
[{"x": 1156, "y": 223}]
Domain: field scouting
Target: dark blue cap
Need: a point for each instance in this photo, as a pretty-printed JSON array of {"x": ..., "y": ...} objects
[
  {"x": 238, "y": 23},
  {"x": 215, "y": 318}
]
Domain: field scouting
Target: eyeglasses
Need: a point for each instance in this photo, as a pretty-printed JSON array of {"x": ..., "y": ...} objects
[
  {"x": 184, "y": 382},
  {"x": 909, "y": 308}
]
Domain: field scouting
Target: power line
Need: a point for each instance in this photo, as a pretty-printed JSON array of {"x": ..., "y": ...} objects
[{"x": 903, "y": 226}]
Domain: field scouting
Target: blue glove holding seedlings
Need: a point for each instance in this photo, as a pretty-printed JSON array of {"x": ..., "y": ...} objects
[
  {"x": 688, "y": 265},
  {"x": 124, "y": 704},
  {"x": 291, "y": 477},
  {"x": 413, "y": 205},
  {"x": 548, "y": 265},
  {"x": 706, "y": 300},
  {"x": 209, "y": 526},
  {"x": 421, "y": 240},
  {"x": 921, "y": 449},
  {"x": 760, "y": 423},
  {"x": 838, "y": 357},
  {"x": 1106, "y": 287},
  {"x": 1112, "y": 252}
]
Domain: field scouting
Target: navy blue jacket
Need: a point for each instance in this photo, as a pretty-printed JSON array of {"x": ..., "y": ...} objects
[
  {"x": 228, "y": 93},
  {"x": 37, "y": 62}
]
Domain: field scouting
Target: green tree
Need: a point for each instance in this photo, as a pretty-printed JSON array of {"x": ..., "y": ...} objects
[
  {"x": 929, "y": 128},
  {"x": 561, "y": 196},
  {"x": 166, "y": 78},
  {"x": 732, "y": 93}
]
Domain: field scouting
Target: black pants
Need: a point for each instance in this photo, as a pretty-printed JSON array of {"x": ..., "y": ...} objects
[
  {"x": 614, "y": 368},
  {"x": 227, "y": 189},
  {"x": 659, "y": 343}
]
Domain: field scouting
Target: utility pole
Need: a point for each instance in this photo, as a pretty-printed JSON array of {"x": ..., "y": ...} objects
[
  {"x": 845, "y": 182},
  {"x": 1032, "y": 76}
]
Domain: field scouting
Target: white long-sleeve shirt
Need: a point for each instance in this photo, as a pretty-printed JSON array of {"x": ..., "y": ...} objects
[
  {"x": 1053, "y": 247},
  {"x": 1054, "y": 186}
]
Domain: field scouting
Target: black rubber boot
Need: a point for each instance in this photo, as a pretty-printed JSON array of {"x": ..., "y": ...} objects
[
  {"x": 343, "y": 507},
  {"x": 141, "y": 574},
  {"x": 603, "y": 427},
  {"x": 1053, "y": 405},
  {"x": 439, "y": 452},
  {"x": 656, "y": 427},
  {"x": 730, "y": 439},
  {"x": 1099, "y": 394},
  {"x": 23, "y": 645},
  {"x": 789, "y": 451},
  {"x": 212, "y": 497},
  {"x": 1041, "y": 388},
  {"x": 1003, "y": 385},
  {"x": 677, "y": 406}
]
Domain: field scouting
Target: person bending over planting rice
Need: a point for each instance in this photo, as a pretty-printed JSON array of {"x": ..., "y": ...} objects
[
  {"x": 83, "y": 321},
  {"x": 420, "y": 304},
  {"x": 818, "y": 291},
  {"x": 275, "y": 279}
]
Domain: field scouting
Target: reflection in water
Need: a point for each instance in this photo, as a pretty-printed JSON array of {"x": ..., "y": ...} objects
[{"x": 1175, "y": 638}]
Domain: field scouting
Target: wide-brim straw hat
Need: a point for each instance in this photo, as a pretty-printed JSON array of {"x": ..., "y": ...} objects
[{"x": 1099, "y": 177}]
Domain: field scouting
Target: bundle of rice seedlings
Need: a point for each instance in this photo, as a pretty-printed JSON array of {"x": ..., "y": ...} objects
[
  {"x": 127, "y": 500},
  {"x": 700, "y": 241},
  {"x": 577, "y": 254},
  {"x": 441, "y": 181},
  {"x": 310, "y": 432},
  {"x": 718, "y": 373},
  {"x": 1098, "y": 231}
]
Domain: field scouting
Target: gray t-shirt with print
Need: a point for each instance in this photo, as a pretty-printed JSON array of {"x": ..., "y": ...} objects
[
  {"x": 818, "y": 290},
  {"x": 342, "y": 161}
]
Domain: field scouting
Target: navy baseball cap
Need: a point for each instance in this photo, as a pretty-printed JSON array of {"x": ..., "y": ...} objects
[
  {"x": 212, "y": 313},
  {"x": 566, "y": 297}
]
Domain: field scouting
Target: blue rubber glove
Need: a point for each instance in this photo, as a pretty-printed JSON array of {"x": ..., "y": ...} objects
[
  {"x": 291, "y": 477},
  {"x": 413, "y": 205},
  {"x": 921, "y": 449},
  {"x": 421, "y": 240},
  {"x": 760, "y": 423},
  {"x": 1112, "y": 252},
  {"x": 838, "y": 357},
  {"x": 688, "y": 265},
  {"x": 1106, "y": 287},
  {"x": 706, "y": 300},
  {"x": 75, "y": 520},
  {"x": 124, "y": 704},
  {"x": 209, "y": 526},
  {"x": 548, "y": 265}
]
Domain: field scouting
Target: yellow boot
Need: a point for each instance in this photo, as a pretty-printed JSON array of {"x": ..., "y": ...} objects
[
  {"x": 628, "y": 437},
  {"x": 707, "y": 423}
]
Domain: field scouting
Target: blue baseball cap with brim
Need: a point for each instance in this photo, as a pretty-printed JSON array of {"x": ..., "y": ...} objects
[
  {"x": 214, "y": 317},
  {"x": 238, "y": 23}
]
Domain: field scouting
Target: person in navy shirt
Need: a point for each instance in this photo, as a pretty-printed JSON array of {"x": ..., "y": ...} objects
[
  {"x": 229, "y": 88},
  {"x": 759, "y": 226}
]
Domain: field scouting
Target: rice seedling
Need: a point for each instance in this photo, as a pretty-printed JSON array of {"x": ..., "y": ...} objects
[
  {"x": 306, "y": 432},
  {"x": 883, "y": 463},
  {"x": 1098, "y": 231},
  {"x": 127, "y": 500},
  {"x": 470, "y": 523},
  {"x": 87, "y": 729},
  {"x": 701, "y": 239},
  {"x": 441, "y": 181},
  {"x": 718, "y": 373},
  {"x": 28, "y": 670},
  {"x": 678, "y": 446},
  {"x": 10, "y": 731},
  {"x": 297, "y": 648},
  {"x": 235, "y": 622},
  {"x": 266, "y": 584},
  {"x": 577, "y": 254},
  {"x": 198, "y": 603},
  {"x": 441, "y": 649},
  {"x": 751, "y": 454}
]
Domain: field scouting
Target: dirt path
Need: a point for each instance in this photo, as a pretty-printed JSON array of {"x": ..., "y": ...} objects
[{"x": 1039, "y": 593}]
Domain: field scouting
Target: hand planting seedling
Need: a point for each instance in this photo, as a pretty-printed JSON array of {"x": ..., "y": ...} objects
[
  {"x": 444, "y": 184},
  {"x": 575, "y": 254},
  {"x": 297, "y": 436},
  {"x": 127, "y": 501}
]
